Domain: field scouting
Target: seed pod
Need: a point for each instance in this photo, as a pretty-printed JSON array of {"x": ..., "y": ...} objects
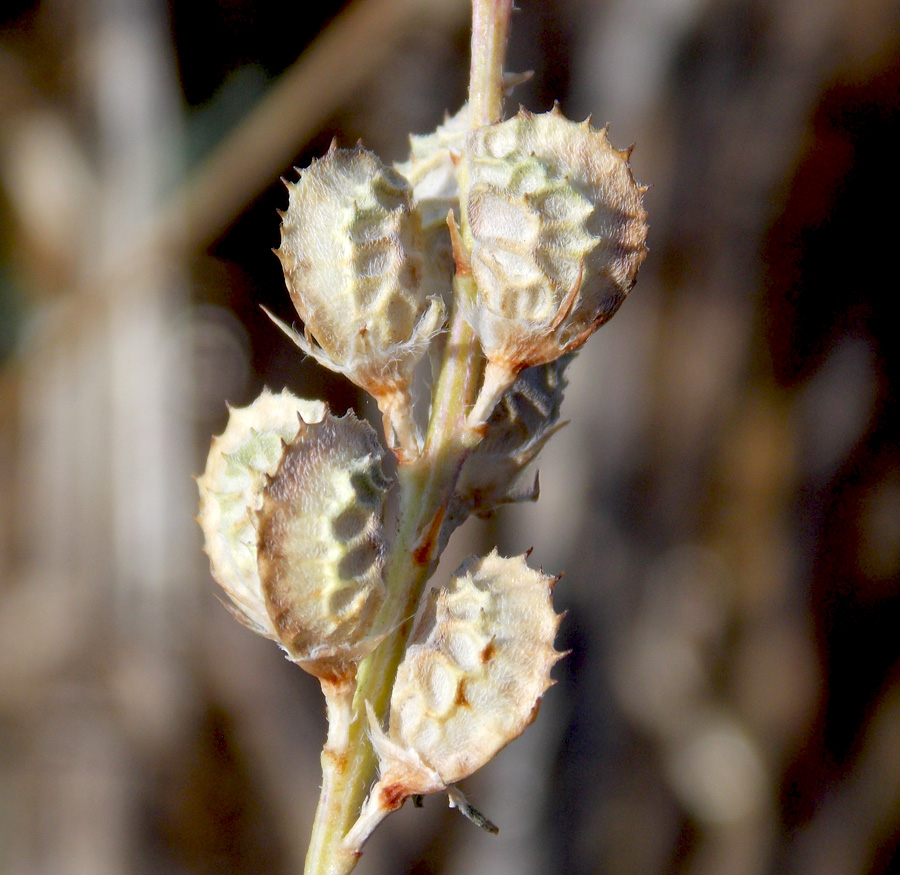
[
  {"x": 231, "y": 493},
  {"x": 477, "y": 665},
  {"x": 322, "y": 544},
  {"x": 351, "y": 250},
  {"x": 431, "y": 171},
  {"x": 559, "y": 232},
  {"x": 526, "y": 417},
  {"x": 291, "y": 511}
]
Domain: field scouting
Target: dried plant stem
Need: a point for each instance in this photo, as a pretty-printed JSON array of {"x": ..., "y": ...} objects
[{"x": 426, "y": 481}]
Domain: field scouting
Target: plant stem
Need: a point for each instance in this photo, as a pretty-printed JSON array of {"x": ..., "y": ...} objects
[
  {"x": 346, "y": 778},
  {"x": 426, "y": 483},
  {"x": 490, "y": 29}
]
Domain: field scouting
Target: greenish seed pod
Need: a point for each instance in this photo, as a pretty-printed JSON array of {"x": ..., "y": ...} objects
[
  {"x": 322, "y": 544},
  {"x": 431, "y": 171}
]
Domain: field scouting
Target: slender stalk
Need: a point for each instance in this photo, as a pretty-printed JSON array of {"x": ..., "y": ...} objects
[
  {"x": 426, "y": 483},
  {"x": 490, "y": 29}
]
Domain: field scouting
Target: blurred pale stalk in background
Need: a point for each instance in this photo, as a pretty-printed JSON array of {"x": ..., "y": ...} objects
[{"x": 106, "y": 562}]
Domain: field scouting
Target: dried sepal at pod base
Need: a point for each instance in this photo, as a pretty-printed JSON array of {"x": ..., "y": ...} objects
[
  {"x": 231, "y": 493},
  {"x": 559, "y": 232},
  {"x": 351, "y": 251},
  {"x": 471, "y": 681},
  {"x": 322, "y": 545}
]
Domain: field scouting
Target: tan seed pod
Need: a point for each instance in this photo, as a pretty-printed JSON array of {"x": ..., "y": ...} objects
[
  {"x": 431, "y": 171},
  {"x": 322, "y": 544},
  {"x": 351, "y": 250},
  {"x": 526, "y": 417},
  {"x": 476, "y": 667},
  {"x": 231, "y": 493},
  {"x": 559, "y": 232}
]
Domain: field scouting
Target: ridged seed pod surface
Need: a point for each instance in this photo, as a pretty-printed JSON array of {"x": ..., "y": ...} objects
[
  {"x": 559, "y": 232},
  {"x": 351, "y": 250},
  {"x": 476, "y": 667},
  {"x": 322, "y": 543}
]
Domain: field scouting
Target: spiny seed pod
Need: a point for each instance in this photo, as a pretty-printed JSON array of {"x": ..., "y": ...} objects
[
  {"x": 558, "y": 230},
  {"x": 290, "y": 507},
  {"x": 231, "y": 493},
  {"x": 322, "y": 544},
  {"x": 351, "y": 250},
  {"x": 477, "y": 665}
]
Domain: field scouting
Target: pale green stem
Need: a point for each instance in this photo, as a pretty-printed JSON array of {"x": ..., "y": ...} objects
[
  {"x": 346, "y": 779},
  {"x": 490, "y": 29},
  {"x": 426, "y": 483}
]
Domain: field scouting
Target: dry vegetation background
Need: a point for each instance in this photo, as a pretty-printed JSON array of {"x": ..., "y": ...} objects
[{"x": 725, "y": 502}]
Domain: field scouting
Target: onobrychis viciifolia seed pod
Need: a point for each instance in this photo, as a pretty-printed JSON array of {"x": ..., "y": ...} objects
[
  {"x": 322, "y": 543},
  {"x": 558, "y": 234},
  {"x": 231, "y": 494},
  {"x": 291, "y": 509},
  {"x": 351, "y": 250},
  {"x": 525, "y": 418},
  {"x": 475, "y": 669}
]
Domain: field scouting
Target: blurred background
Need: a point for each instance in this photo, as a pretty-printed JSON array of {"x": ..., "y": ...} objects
[{"x": 725, "y": 502}]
